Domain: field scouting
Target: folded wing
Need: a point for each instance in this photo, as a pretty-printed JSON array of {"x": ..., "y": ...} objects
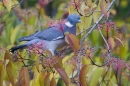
[{"x": 49, "y": 34}]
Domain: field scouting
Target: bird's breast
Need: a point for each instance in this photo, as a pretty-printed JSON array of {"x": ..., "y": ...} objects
[{"x": 53, "y": 45}]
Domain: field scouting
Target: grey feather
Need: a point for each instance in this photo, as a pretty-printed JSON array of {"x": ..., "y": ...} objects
[{"x": 49, "y": 34}]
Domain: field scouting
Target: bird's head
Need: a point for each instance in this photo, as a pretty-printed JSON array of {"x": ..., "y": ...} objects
[{"x": 72, "y": 19}]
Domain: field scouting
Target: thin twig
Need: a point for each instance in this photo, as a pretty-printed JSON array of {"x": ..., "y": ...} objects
[
  {"x": 108, "y": 47},
  {"x": 83, "y": 31},
  {"x": 104, "y": 75}
]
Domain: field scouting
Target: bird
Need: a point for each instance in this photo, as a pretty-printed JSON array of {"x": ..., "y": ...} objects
[{"x": 51, "y": 38}]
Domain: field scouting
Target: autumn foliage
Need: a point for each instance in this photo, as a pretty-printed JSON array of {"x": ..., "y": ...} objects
[{"x": 98, "y": 55}]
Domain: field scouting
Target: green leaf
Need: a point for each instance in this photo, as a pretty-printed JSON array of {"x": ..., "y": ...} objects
[
  {"x": 14, "y": 34},
  {"x": 94, "y": 36},
  {"x": 31, "y": 19},
  {"x": 96, "y": 76}
]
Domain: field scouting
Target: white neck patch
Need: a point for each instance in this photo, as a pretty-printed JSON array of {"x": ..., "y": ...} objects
[{"x": 68, "y": 24}]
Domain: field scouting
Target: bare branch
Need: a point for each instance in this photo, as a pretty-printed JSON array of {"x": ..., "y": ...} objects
[
  {"x": 108, "y": 47},
  {"x": 83, "y": 31}
]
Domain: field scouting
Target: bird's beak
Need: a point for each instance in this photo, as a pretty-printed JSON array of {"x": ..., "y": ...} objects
[{"x": 80, "y": 21}]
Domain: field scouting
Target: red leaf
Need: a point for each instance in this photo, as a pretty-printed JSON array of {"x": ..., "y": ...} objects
[
  {"x": 8, "y": 56},
  {"x": 64, "y": 76},
  {"x": 24, "y": 78},
  {"x": 104, "y": 5},
  {"x": 111, "y": 42},
  {"x": 73, "y": 41},
  {"x": 53, "y": 82},
  {"x": 82, "y": 76}
]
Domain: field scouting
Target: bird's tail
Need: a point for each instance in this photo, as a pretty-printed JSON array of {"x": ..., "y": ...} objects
[{"x": 17, "y": 47}]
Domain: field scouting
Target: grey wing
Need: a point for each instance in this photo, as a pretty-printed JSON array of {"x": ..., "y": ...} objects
[{"x": 48, "y": 34}]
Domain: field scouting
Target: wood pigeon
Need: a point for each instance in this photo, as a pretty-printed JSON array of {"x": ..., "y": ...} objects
[{"x": 51, "y": 38}]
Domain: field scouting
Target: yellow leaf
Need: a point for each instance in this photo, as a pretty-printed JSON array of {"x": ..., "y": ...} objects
[
  {"x": 47, "y": 80},
  {"x": 96, "y": 15},
  {"x": 66, "y": 58},
  {"x": 8, "y": 4},
  {"x": 94, "y": 6},
  {"x": 37, "y": 64},
  {"x": 84, "y": 9},
  {"x": 11, "y": 71},
  {"x": 119, "y": 40},
  {"x": 71, "y": 9},
  {"x": 35, "y": 81},
  {"x": 15, "y": 2},
  {"x": 89, "y": 3},
  {"x": 96, "y": 75},
  {"x": 123, "y": 51},
  {"x": 42, "y": 76},
  {"x": 1, "y": 74},
  {"x": 1, "y": 6}
]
